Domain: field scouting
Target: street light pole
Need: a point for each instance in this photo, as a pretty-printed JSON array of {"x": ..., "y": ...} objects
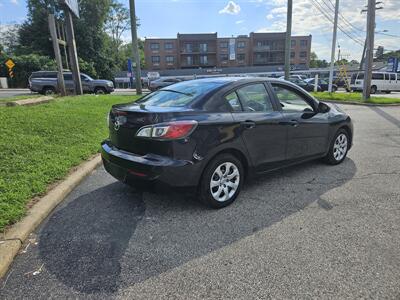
[
  {"x": 135, "y": 48},
  {"x": 288, "y": 39},
  {"x": 333, "y": 46}
]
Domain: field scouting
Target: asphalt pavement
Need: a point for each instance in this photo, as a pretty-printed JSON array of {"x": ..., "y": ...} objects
[{"x": 310, "y": 231}]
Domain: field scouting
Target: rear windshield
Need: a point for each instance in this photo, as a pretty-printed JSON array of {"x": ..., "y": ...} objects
[{"x": 179, "y": 94}]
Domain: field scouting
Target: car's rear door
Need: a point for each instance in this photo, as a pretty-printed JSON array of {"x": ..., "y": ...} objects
[
  {"x": 262, "y": 130},
  {"x": 307, "y": 129}
]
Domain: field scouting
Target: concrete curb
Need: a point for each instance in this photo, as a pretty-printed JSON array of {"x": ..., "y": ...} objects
[
  {"x": 16, "y": 235},
  {"x": 358, "y": 103},
  {"x": 30, "y": 101}
]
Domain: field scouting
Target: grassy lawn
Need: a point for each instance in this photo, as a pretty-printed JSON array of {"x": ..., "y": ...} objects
[
  {"x": 20, "y": 97},
  {"x": 40, "y": 144},
  {"x": 353, "y": 97}
]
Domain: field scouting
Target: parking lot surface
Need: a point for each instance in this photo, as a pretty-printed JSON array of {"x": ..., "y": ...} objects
[{"x": 310, "y": 231}]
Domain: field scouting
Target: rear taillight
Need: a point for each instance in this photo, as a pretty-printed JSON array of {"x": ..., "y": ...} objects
[{"x": 168, "y": 131}]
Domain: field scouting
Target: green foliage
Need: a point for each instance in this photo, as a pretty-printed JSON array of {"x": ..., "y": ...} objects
[
  {"x": 98, "y": 34},
  {"x": 317, "y": 63},
  {"x": 40, "y": 144},
  {"x": 353, "y": 97},
  {"x": 24, "y": 66}
]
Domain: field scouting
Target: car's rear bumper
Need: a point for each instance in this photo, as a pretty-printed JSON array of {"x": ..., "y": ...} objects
[{"x": 149, "y": 170}]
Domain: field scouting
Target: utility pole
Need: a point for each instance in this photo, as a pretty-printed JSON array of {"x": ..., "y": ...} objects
[
  {"x": 57, "y": 54},
  {"x": 333, "y": 46},
  {"x": 288, "y": 46},
  {"x": 363, "y": 56},
  {"x": 369, "y": 49},
  {"x": 73, "y": 56},
  {"x": 135, "y": 48}
]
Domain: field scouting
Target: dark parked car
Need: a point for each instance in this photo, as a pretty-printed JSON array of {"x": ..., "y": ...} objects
[
  {"x": 324, "y": 84},
  {"x": 45, "y": 82},
  {"x": 162, "y": 82},
  {"x": 308, "y": 86},
  {"x": 214, "y": 133}
]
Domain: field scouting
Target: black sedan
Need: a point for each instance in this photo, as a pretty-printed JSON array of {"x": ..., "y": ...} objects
[
  {"x": 308, "y": 86},
  {"x": 324, "y": 84},
  {"x": 214, "y": 133}
]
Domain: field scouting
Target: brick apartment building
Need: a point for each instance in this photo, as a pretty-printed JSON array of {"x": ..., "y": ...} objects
[{"x": 206, "y": 50}]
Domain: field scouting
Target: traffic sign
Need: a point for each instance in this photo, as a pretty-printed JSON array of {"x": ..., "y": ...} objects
[{"x": 10, "y": 64}]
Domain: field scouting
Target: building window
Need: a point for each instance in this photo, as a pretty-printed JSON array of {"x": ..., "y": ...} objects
[
  {"x": 168, "y": 46},
  {"x": 224, "y": 57},
  {"x": 169, "y": 59},
  {"x": 241, "y": 44},
  {"x": 154, "y": 46},
  {"x": 223, "y": 45},
  {"x": 292, "y": 54},
  {"x": 293, "y": 43},
  {"x": 189, "y": 60},
  {"x": 155, "y": 60},
  {"x": 303, "y": 43},
  {"x": 203, "y": 47},
  {"x": 303, "y": 54},
  {"x": 241, "y": 57},
  {"x": 189, "y": 48},
  {"x": 203, "y": 60}
]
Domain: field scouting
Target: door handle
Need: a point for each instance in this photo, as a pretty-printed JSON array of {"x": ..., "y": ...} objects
[
  {"x": 248, "y": 124},
  {"x": 293, "y": 123}
]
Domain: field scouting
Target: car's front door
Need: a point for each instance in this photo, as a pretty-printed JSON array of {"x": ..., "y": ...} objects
[
  {"x": 69, "y": 82},
  {"x": 85, "y": 83},
  {"x": 307, "y": 129},
  {"x": 261, "y": 125}
]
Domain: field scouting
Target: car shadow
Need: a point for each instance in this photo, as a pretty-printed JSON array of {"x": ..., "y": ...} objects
[{"x": 114, "y": 237}]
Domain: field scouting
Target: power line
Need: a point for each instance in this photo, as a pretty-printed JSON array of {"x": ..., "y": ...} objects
[
  {"x": 345, "y": 20},
  {"x": 321, "y": 10}
]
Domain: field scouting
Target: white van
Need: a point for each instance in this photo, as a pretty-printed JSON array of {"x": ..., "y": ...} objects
[{"x": 381, "y": 82}]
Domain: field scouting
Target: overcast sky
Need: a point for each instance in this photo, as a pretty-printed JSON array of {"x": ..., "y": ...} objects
[{"x": 164, "y": 18}]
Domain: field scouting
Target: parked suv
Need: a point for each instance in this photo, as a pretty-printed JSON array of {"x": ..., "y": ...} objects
[{"x": 45, "y": 82}]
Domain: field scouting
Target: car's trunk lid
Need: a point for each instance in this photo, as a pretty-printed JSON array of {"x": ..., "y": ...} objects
[{"x": 125, "y": 121}]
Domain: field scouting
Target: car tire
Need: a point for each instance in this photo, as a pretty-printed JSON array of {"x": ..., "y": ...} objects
[
  {"x": 218, "y": 189},
  {"x": 373, "y": 89},
  {"x": 48, "y": 90},
  {"x": 100, "y": 91},
  {"x": 338, "y": 148},
  {"x": 388, "y": 92}
]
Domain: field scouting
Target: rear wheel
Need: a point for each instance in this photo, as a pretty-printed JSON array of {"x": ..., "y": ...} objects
[
  {"x": 338, "y": 148},
  {"x": 221, "y": 182},
  {"x": 48, "y": 90},
  {"x": 388, "y": 92},
  {"x": 373, "y": 89}
]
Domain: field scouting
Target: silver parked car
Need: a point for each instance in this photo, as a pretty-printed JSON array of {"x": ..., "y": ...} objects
[
  {"x": 162, "y": 82},
  {"x": 45, "y": 82}
]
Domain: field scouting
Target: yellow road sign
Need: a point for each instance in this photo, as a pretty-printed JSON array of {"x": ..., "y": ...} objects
[{"x": 10, "y": 64}]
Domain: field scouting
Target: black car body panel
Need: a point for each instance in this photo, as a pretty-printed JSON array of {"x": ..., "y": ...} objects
[{"x": 263, "y": 141}]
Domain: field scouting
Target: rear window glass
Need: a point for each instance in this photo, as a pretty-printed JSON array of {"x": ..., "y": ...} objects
[{"x": 180, "y": 94}]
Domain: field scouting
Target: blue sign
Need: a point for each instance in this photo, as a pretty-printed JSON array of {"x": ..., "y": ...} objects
[
  {"x": 393, "y": 64},
  {"x": 130, "y": 71}
]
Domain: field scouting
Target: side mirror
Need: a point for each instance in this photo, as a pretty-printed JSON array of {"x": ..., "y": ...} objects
[{"x": 323, "y": 108}]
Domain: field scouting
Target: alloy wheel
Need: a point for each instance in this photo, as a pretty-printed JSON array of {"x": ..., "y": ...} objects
[
  {"x": 340, "y": 147},
  {"x": 224, "y": 181}
]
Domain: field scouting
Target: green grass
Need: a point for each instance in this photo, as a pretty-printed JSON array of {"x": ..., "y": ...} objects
[
  {"x": 40, "y": 144},
  {"x": 20, "y": 97},
  {"x": 353, "y": 97}
]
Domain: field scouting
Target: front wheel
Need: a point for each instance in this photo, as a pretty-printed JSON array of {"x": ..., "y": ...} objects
[
  {"x": 100, "y": 91},
  {"x": 373, "y": 89},
  {"x": 338, "y": 148},
  {"x": 221, "y": 182}
]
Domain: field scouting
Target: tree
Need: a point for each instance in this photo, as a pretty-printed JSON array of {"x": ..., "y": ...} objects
[
  {"x": 117, "y": 22},
  {"x": 317, "y": 63}
]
